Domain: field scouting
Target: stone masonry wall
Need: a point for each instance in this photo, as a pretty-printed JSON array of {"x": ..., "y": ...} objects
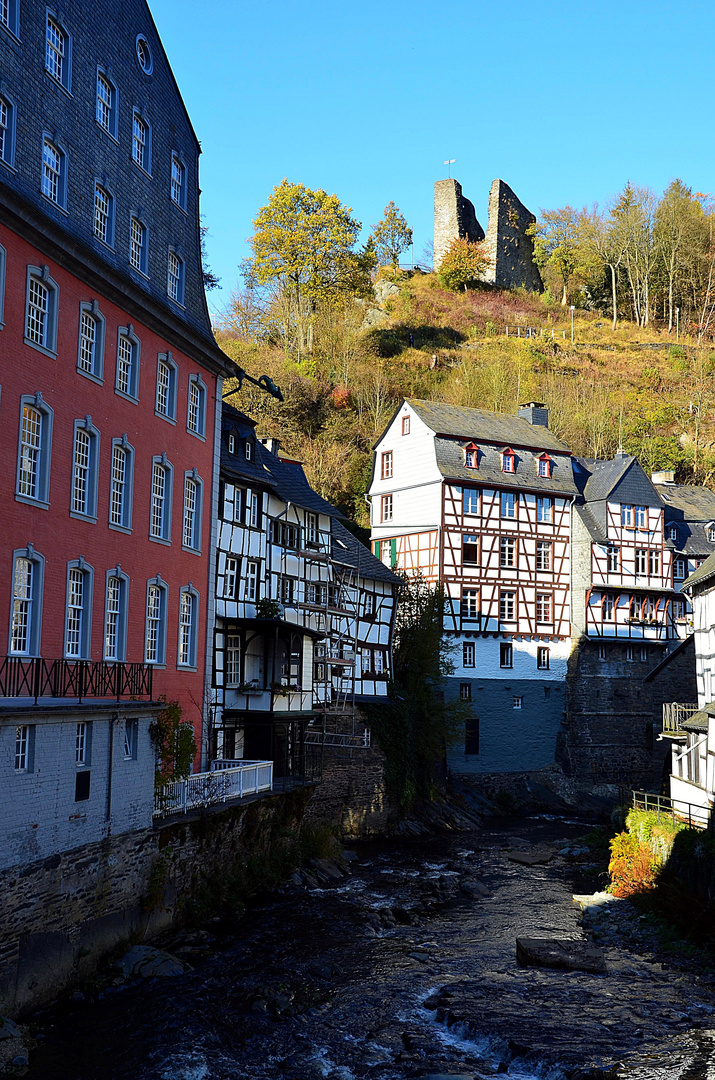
[
  {"x": 510, "y": 249},
  {"x": 352, "y": 792},
  {"x": 454, "y": 218}
]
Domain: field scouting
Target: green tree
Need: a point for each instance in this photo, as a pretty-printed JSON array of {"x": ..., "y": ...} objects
[
  {"x": 559, "y": 246},
  {"x": 391, "y": 236},
  {"x": 463, "y": 266}
]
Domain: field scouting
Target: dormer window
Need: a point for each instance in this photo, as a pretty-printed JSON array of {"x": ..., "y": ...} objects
[
  {"x": 672, "y": 532},
  {"x": 711, "y": 532},
  {"x": 471, "y": 456},
  {"x": 248, "y": 450},
  {"x": 508, "y": 461},
  {"x": 232, "y": 444},
  {"x": 545, "y": 466}
]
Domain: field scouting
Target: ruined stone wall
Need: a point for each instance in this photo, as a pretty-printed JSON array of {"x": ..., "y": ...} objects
[
  {"x": 352, "y": 792},
  {"x": 454, "y": 218},
  {"x": 613, "y": 717},
  {"x": 510, "y": 249}
]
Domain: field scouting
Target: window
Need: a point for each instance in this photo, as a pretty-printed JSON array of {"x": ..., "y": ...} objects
[
  {"x": 470, "y": 550},
  {"x": 160, "y": 523},
  {"x": 137, "y": 245},
  {"x": 128, "y": 352},
  {"x": 34, "y": 450},
  {"x": 542, "y": 658},
  {"x": 601, "y": 652},
  {"x": 612, "y": 554},
  {"x": 465, "y": 691},
  {"x": 188, "y": 619},
  {"x": 115, "y": 616},
  {"x": 106, "y": 113},
  {"x": 641, "y": 556},
  {"x": 386, "y": 508},
  {"x": 470, "y": 501},
  {"x": 144, "y": 56},
  {"x": 24, "y": 747},
  {"x": 644, "y": 652},
  {"x": 517, "y": 702},
  {"x": 41, "y": 310},
  {"x": 627, "y": 515},
  {"x": 230, "y": 580},
  {"x": 166, "y": 387},
  {"x": 81, "y": 744},
  {"x": 608, "y": 607},
  {"x": 508, "y": 461},
  {"x": 175, "y": 278},
  {"x": 26, "y": 615},
  {"x": 543, "y": 555},
  {"x": 680, "y": 569},
  {"x": 285, "y": 535},
  {"x": 386, "y": 465},
  {"x": 57, "y": 52},
  {"x": 78, "y": 614},
  {"x": 286, "y": 589},
  {"x": 468, "y": 654},
  {"x": 248, "y": 450},
  {"x": 54, "y": 173},
  {"x": 507, "y": 551},
  {"x": 545, "y": 509},
  {"x": 178, "y": 182},
  {"x": 653, "y": 563},
  {"x": 471, "y": 456},
  {"x": 141, "y": 142},
  {"x": 311, "y": 529},
  {"x": 120, "y": 491},
  {"x": 545, "y": 466},
  {"x": 508, "y": 504},
  {"x": 543, "y": 608},
  {"x": 471, "y": 735},
  {"x": 231, "y": 438},
  {"x": 673, "y": 532},
  {"x": 103, "y": 215},
  {"x": 196, "y": 415},
  {"x": 90, "y": 349},
  {"x": 9, "y": 16},
  {"x": 470, "y": 603},
  {"x": 711, "y": 534},
  {"x": 405, "y": 425},
  {"x": 233, "y": 660},
  {"x": 155, "y": 637},
  {"x": 85, "y": 465},
  {"x": 641, "y": 517},
  {"x": 252, "y": 582},
  {"x": 7, "y": 129},
  {"x": 507, "y": 601},
  {"x": 650, "y": 609},
  {"x": 369, "y": 606},
  {"x": 131, "y": 739},
  {"x": 629, "y": 653},
  {"x": 506, "y": 654},
  {"x": 192, "y": 511}
]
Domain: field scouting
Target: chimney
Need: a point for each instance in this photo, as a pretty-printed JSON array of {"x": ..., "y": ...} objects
[
  {"x": 664, "y": 476},
  {"x": 535, "y": 412},
  {"x": 272, "y": 445}
]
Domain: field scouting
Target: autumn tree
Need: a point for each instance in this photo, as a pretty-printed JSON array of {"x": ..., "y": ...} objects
[
  {"x": 463, "y": 265},
  {"x": 391, "y": 236},
  {"x": 559, "y": 245}
]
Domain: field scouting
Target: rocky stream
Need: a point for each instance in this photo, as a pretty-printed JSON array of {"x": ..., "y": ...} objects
[{"x": 402, "y": 963}]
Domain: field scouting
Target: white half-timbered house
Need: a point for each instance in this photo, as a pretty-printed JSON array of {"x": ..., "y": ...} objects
[
  {"x": 480, "y": 502},
  {"x": 689, "y": 531},
  {"x": 299, "y": 602}
]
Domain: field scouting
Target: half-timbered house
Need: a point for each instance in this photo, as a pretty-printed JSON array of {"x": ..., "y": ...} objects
[
  {"x": 689, "y": 531},
  {"x": 304, "y": 613},
  {"x": 480, "y": 502}
]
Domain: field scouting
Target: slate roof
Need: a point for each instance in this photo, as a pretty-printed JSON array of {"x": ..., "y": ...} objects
[
  {"x": 450, "y": 462},
  {"x": 687, "y": 502},
  {"x": 702, "y": 574},
  {"x": 597, "y": 534},
  {"x": 483, "y": 426},
  {"x": 349, "y": 549},
  {"x": 292, "y": 485},
  {"x": 622, "y": 478}
]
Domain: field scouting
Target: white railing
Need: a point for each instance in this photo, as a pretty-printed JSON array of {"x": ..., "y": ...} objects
[
  {"x": 675, "y": 713},
  {"x": 228, "y": 779}
]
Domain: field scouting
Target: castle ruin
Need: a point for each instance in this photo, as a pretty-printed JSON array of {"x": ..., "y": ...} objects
[{"x": 510, "y": 248}]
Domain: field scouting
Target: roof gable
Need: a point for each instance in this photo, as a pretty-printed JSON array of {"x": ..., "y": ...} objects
[{"x": 478, "y": 424}]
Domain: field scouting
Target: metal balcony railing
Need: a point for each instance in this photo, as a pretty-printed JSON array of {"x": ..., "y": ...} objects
[
  {"x": 228, "y": 779},
  {"x": 674, "y": 714},
  {"x": 36, "y": 677}
]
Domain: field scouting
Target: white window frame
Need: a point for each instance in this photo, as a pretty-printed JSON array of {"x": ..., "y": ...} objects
[
  {"x": 507, "y": 605},
  {"x": 506, "y": 654},
  {"x": 386, "y": 508},
  {"x": 155, "y": 621},
  {"x": 187, "y": 648},
  {"x": 543, "y": 658},
  {"x": 230, "y": 578},
  {"x": 53, "y": 177},
  {"x": 121, "y": 485},
  {"x": 544, "y": 548},
  {"x": 38, "y": 450},
  {"x": 106, "y": 111},
  {"x": 138, "y": 245},
  {"x": 7, "y": 130},
  {"x": 386, "y": 465},
  {"x": 196, "y": 408},
  {"x": 508, "y": 504},
  {"x": 175, "y": 277},
  {"x": 9, "y": 17},
  {"x": 85, "y": 470},
  {"x": 470, "y": 501},
  {"x": 468, "y": 654},
  {"x": 27, "y": 603},
  {"x": 252, "y": 582},
  {"x": 545, "y": 608},
  {"x": 507, "y": 552},
  {"x": 41, "y": 335},
  {"x": 103, "y": 216},
  {"x": 115, "y": 615},
  {"x": 232, "y": 663},
  {"x": 131, "y": 740},
  {"x": 82, "y": 743},
  {"x": 90, "y": 351},
  {"x": 78, "y": 617},
  {"x": 58, "y": 51},
  {"x": 166, "y": 381},
  {"x": 469, "y": 604},
  {"x": 24, "y": 748},
  {"x": 545, "y": 509},
  {"x": 141, "y": 141},
  {"x": 192, "y": 516},
  {"x": 126, "y": 338},
  {"x": 178, "y": 183},
  {"x": 161, "y": 500}
]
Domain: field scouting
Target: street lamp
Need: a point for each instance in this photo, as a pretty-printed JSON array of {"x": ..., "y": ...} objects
[
  {"x": 677, "y": 324},
  {"x": 573, "y": 308}
]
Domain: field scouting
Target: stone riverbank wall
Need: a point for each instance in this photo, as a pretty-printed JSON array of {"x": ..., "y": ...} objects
[{"x": 352, "y": 792}]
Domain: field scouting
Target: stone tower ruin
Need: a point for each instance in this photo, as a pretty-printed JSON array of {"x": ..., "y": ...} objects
[
  {"x": 454, "y": 218},
  {"x": 510, "y": 249}
]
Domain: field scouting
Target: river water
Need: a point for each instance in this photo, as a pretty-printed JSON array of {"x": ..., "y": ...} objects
[{"x": 405, "y": 968}]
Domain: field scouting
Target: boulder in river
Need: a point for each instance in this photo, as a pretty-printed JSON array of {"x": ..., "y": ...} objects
[
  {"x": 535, "y": 857},
  {"x": 145, "y": 962},
  {"x": 560, "y": 953}
]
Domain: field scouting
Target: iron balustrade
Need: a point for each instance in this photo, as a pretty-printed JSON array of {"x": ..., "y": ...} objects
[
  {"x": 697, "y": 816},
  {"x": 675, "y": 713},
  {"x": 228, "y": 779},
  {"x": 36, "y": 677}
]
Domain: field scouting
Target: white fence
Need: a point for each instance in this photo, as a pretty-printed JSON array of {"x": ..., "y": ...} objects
[{"x": 227, "y": 780}]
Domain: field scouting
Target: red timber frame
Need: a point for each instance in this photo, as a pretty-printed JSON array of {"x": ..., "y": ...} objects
[{"x": 489, "y": 578}]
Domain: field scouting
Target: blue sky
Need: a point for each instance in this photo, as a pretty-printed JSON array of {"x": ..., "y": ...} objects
[{"x": 565, "y": 102}]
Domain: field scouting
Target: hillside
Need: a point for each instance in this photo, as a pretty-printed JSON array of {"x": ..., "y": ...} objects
[{"x": 633, "y": 386}]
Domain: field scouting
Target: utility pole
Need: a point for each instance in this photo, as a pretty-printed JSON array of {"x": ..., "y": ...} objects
[{"x": 573, "y": 308}]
